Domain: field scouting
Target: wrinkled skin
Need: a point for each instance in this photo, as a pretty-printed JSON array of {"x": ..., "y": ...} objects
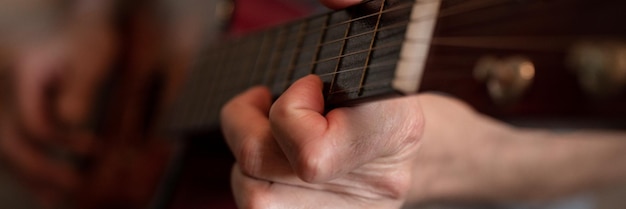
[{"x": 291, "y": 155}]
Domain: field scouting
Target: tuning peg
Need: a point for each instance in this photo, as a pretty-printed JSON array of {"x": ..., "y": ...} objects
[
  {"x": 600, "y": 67},
  {"x": 507, "y": 79}
]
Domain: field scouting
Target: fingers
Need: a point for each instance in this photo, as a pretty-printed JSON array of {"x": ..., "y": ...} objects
[
  {"x": 39, "y": 170},
  {"x": 246, "y": 128},
  {"x": 35, "y": 71},
  {"x": 297, "y": 121},
  {"x": 323, "y": 147},
  {"x": 39, "y": 71},
  {"x": 339, "y": 4},
  {"x": 91, "y": 46},
  {"x": 297, "y": 137},
  {"x": 256, "y": 193}
]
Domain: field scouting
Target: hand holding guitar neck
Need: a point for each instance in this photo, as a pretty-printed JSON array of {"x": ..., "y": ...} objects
[{"x": 291, "y": 153}]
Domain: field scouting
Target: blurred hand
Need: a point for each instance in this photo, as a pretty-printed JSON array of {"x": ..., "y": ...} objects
[
  {"x": 291, "y": 154},
  {"x": 55, "y": 78}
]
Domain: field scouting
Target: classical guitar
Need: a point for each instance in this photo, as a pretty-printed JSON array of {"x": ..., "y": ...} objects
[{"x": 511, "y": 59}]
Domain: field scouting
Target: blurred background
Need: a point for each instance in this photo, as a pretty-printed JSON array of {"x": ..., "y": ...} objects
[{"x": 129, "y": 163}]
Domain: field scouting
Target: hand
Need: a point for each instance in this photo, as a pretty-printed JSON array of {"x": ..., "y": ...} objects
[
  {"x": 292, "y": 155},
  {"x": 467, "y": 156},
  {"x": 462, "y": 154},
  {"x": 55, "y": 81}
]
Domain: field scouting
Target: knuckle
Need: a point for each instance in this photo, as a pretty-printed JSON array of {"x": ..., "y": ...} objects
[
  {"x": 313, "y": 166},
  {"x": 230, "y": 107},
  {"x": 278, "y": 110},
  {"x": 249, "y": 156}
]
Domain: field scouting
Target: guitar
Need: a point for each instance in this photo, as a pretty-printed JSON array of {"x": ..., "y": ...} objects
[{"x": 529, "y": 59}]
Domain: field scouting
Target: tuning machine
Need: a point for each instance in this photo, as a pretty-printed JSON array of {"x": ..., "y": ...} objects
[
  {"x": 506, "y": 78},
  {"x": 600, "y": 67}
]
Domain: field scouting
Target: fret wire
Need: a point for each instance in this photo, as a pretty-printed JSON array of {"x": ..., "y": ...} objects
[
  {"x": 424, "y": 41},
  {"x": 228, "y": 71},
  {"x": 398, "y": 43},
  {"x": 215, "y": 85},
  {"x": 246, "y": 65},
  {"x": 221, "y": 59},
  {"x": 270, "y": 70},
  {"x": 389, "y": 27},
  {"x": 259, "y": 70},
  {"x": 386, "y": 27},
  {"x": 393, "y": 44},
  {"x": 292, "y": 63},
  {"x": 383, "y": 64},
  {"x": 343, "y": 46},
  {"x": 395, "y": 8},
  {"x": 225, "y": 71},
  {"x": 369, "y": 54},
  {"x": 257, "y": 61},
  {"x": 398, "y": 7},
  {"x": 386, "y": 64},
  {"x": 192, "y": 95},
  {"x": 319, "y": 41},
  {"x": 277, "y": 56},
  {"x": 359, "y": 89},
  {"x": 442, "y": 13}
]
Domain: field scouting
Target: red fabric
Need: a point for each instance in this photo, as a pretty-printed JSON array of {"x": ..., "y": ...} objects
[{"x": 252, "y": 15}]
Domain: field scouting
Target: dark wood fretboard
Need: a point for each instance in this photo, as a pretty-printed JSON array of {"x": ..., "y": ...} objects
[{"x": 358, "y": 52}]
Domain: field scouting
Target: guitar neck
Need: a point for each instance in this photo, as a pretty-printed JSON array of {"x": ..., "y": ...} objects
[
  {"x": 356, "y": 52},
  {"x": 386, "y": 48}
]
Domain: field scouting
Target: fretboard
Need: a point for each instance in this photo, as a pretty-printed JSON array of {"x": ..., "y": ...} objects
[{"x": 386, "y": 48}]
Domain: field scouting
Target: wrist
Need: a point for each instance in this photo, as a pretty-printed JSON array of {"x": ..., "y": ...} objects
[{"x": 468, "y": 164}]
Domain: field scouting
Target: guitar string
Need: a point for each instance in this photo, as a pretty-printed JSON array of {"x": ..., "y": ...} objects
[
  {"x": 352, "y": 69},
  {"x": 462, "y": 8},
  {"x": 377, "y": 30},
  {"x": 390, "y": 27},
  {"x": 401, "y": 24},
  {"x": 398, "y": 7},
  {"x": 294, "y": 57},
  {"x": 337, "y": 64},
  {"x": 335, "y": 58},
  {"x": 368, "y": 58},
  {"x": 358, "y": 89},
  {"x": 442, "y": 13}
]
